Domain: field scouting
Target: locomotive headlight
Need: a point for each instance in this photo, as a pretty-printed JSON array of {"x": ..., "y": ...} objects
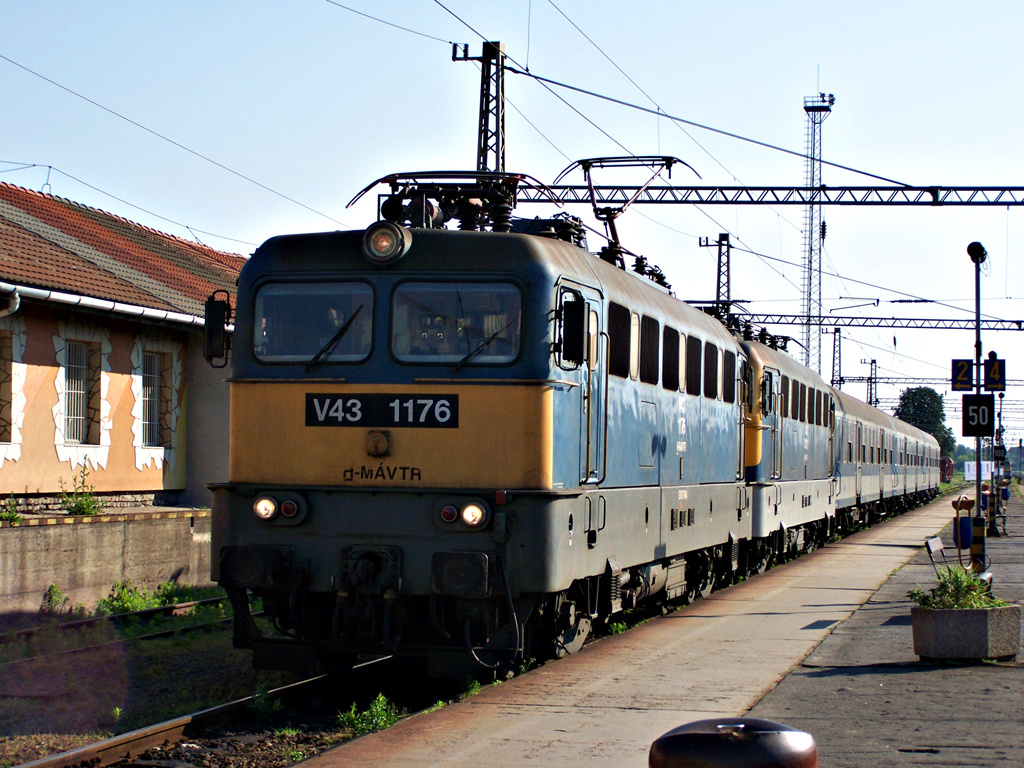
[
  {"x": 449, "y": 513},
  {"x": 473, "y": 515},
  {"x": 384, "y": 243},
  {"x": 265, "y": 507}
]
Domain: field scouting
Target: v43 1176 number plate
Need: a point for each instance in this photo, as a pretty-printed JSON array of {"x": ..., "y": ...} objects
[{"x": 382, "y": 410}]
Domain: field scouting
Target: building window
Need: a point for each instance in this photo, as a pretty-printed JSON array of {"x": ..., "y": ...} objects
[
  {"x": 154, "y": 400},
  {"x": 82, "y": 393},
  {"x": 6, "y": 389}
]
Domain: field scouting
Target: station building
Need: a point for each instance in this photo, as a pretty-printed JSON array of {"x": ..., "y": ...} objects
[{"x": 101, "y": 358}]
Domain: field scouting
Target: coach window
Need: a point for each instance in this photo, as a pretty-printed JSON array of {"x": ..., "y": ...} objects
[
  {"x": 794, "y": 403},
  {"x": 649, "y": 338},
  {"x": 618, "y": 340},
  {"x": 670, "y": 358},
  {"x": 817, "y": 407},
  {"x": 729, "y": 377},
  {"x": 593, "y": 338},
  {"x": 694, "y": 349},
  {"x": 803, "y": 403},
  {"x": 634, "y": 345},
  {"x": 329, "y": 321},
  {"x": 710, "y": 371},
  {"x": 784, "y": 405}
]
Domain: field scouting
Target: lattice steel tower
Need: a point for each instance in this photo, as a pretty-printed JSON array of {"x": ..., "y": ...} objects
[
  {"x": 490, "y": 150},
  {"x": 817, "y": 109}
]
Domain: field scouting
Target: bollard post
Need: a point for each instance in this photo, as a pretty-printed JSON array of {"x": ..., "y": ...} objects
[
  {"x": 734, "y": 742},
  {"x": 978, "y": 525}
]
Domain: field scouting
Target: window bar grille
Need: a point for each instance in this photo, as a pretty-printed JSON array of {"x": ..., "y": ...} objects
[
  {"x": 151, "y": 378},
  {"x": 76, "y": 392}
]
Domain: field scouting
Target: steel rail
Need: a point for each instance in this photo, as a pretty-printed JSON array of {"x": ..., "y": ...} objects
[
  {"x": 174, "y": 609},
  {"x": 133, "y": 743}
]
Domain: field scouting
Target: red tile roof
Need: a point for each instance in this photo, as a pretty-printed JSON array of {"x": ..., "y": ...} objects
[{"x": 55, "y": 244}]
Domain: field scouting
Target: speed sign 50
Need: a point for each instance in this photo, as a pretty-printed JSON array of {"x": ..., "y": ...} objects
[{"x": 979, "y": 416}]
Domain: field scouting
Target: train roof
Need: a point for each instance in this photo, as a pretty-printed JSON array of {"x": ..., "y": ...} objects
[{"x": 865, "y": 412}]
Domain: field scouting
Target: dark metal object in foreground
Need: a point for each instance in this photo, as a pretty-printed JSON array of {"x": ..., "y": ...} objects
[{"x": 734, "y": 742}]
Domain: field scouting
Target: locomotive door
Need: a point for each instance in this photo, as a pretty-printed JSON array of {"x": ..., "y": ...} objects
[
  {"x": 581, "y": 354},
  {"x": 860, "y": 459},
  {"x": 773, "y": 402},
  {"x": 592, "y": 425}
]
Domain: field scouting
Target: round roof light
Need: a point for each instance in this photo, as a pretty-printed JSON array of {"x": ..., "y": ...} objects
[{"x": 384, "y": 243}]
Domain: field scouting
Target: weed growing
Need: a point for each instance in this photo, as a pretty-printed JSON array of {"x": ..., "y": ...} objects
[
  {"x": 379, "y": 715},
  {"x": 81, "y": 499},
  {"x": 261, "y": 705},
  {"x": 9, "y": 511}
]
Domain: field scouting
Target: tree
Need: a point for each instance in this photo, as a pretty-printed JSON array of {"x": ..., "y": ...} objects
[{"x": 922, "y": 407}]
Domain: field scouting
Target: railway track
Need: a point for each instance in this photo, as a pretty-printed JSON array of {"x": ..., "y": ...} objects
[
  {"x": 128, "y": 745},
  {"x": 147, "y": 614}
]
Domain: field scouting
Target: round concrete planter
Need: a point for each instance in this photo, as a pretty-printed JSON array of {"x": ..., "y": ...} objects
[{"x": 966, "y": 633}]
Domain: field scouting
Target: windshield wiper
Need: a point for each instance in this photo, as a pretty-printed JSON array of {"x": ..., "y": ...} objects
[
  {"x": 482, "y": 346},
  {"x": 327, "y": 348}
]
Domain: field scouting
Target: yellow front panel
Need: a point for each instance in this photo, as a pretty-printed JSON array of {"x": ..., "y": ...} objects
[{"x": 504, "y": 439}]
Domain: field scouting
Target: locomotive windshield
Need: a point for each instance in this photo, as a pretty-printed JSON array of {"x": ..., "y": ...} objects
[
  {"x": 296, "y": 322},
  {"x": 462, "y": 323}
]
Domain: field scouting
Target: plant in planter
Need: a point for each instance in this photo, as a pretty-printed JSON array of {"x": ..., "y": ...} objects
[{"x": 959, "y": 618}]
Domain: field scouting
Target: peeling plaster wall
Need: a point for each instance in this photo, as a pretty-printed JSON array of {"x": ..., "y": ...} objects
[{"x": 38, "y": 458}]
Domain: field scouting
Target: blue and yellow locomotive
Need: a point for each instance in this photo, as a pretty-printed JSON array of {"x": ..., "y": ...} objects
[{"x": 465, "y": 446}]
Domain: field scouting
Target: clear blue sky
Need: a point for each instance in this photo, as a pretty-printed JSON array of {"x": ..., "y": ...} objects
[{"x": 314, "y": 101}]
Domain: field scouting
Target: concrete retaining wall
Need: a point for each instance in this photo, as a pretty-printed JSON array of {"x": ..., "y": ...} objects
[{"x": 85, "y": 556}]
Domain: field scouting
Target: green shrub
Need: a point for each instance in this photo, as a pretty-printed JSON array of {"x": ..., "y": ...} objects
[
  {"x": 81, "y": 499},
  {"x": 55, "y": 602},
  {"x": 379, "y": 715},
  {"x": 125, "y": 597},
  {"x": 9, "y": 511},
  {"x": 956, "y": 588}
]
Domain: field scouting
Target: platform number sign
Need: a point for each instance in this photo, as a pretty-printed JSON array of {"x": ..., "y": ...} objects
[
  {"x": 963, "y": 375},
  {"x": 995, "y": 374},
  {"x": 979, "y": 416}
]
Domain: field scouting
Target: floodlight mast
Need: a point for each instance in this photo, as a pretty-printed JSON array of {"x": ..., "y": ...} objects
[{"x": 977, "y": 253}]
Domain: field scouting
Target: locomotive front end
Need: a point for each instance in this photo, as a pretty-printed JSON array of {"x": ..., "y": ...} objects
[{"x": 388, "y": 413}]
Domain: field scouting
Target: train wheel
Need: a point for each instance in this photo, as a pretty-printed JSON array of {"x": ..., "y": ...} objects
[
  {"x": 759, "y": 557},
  {"x": 700, "y": 576},
  {"x": 572, "y": 628}
]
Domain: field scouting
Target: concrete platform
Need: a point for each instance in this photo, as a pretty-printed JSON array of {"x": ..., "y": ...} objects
[
  {"x": 725, "y": 656},
  {"x": 868, "y": 701}
]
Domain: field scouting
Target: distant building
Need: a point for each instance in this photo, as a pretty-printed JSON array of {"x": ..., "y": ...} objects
[{"x": 101, "y": 366}]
